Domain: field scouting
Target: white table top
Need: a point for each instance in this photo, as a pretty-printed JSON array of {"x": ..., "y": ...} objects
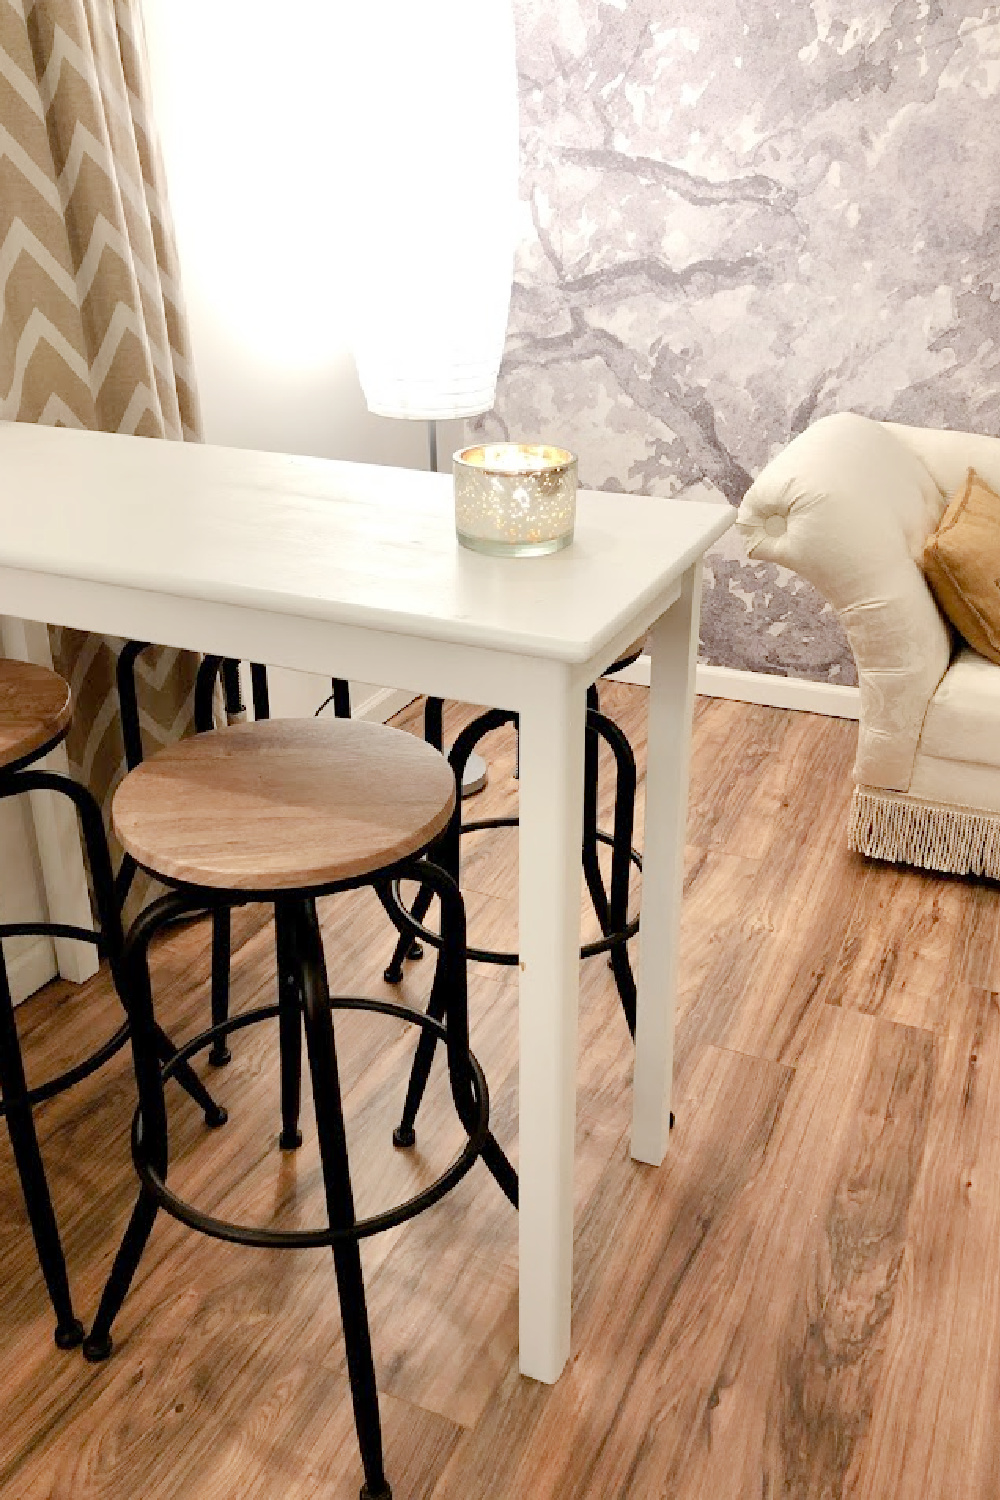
[{"x": 355, "y": 544}]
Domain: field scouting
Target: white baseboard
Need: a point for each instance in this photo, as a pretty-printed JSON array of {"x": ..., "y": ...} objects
[
  {"x": 712, "y": 682},
  {"x": 29, "y": 967},
  {"x": 760, "y": 687},
  {"x": 382, "y": 704}
]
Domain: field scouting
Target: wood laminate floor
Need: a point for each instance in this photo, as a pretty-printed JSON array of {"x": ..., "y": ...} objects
[{"x": 804, "y": 1301}]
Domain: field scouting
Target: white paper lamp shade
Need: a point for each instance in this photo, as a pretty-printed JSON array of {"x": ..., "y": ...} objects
[{"x": 434, "y": 162}]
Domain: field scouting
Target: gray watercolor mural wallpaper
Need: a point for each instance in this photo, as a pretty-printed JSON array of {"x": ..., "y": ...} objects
[{"x": 736, "y": 218}]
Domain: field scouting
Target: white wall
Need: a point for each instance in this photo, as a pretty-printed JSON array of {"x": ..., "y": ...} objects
[{"x": 30, "y": 960}]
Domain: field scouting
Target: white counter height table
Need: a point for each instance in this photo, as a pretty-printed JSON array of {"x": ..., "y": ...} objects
[{"x": 353, "y": 570}]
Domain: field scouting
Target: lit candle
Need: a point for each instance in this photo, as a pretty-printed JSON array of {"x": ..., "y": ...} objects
[{"x": 515, "y": 499}]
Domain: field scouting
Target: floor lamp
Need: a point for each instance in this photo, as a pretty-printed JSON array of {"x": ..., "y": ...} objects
[
  {"x": 433, "y": 186},
  {"x": 475, "y": 773}
]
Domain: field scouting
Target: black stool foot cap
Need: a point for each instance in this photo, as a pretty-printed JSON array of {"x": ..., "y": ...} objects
[
  {"x": 384, "y": 1493},
  {"x": 416, "y": 949},
  {"x": 216, "y": 1116},
  {"x": 290, "y": 1140},
  {"x": 220, "y": 1055},
  {"x": 69, "y": 1335},
  {"x": 671, "y": 1119},
  {"x": 393, "y": 974},
  {"x": 404, "y": 1136},
  {"x": 95, "y": 1350}
]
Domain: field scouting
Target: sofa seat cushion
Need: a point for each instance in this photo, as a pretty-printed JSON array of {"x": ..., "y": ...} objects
[
  {"x": 954, "y": 783},
  {"x": 963, "y": 719}
]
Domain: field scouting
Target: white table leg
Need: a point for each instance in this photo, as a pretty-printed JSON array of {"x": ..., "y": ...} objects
[
  {"x": 551, "y": 811},
  {"x": 674, "y": 649}
]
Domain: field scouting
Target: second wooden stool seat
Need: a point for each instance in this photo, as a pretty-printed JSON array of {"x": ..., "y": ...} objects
[{"x": 36, "y": 707}]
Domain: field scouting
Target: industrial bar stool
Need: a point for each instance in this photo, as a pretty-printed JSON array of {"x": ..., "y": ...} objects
[
  {"x": 610, "y": 902},
  {"x": 283, "y": 812},
  {"x": 35, "y": 714}
]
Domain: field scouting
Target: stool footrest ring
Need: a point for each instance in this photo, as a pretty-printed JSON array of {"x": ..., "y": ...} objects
[
  {"x": 306, "y": 1239},
  {"x": 77, "y": 1073},
  {"x": 405, "y": 922}
]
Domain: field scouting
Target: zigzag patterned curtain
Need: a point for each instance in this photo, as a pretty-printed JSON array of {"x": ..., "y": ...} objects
[{"x": 92, "y": 331}]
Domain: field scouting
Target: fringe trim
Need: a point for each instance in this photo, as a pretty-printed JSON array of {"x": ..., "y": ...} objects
[{"x": 930, "y": 835}]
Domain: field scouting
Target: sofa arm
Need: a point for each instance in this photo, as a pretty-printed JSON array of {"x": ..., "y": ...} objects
[{"x": 849, "y": 507}]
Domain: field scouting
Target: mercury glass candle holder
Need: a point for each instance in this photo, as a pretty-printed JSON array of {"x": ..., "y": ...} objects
[{"x": 515, "y": 499}]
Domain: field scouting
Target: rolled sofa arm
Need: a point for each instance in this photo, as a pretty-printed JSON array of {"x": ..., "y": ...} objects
[{"x": 849, "y": 506}]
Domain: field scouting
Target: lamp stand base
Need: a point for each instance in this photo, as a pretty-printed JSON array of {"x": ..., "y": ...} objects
[{"x": 476, "y": 775}]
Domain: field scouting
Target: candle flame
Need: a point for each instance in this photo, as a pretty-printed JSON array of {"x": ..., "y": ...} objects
[{"x": 515, "y": 458}]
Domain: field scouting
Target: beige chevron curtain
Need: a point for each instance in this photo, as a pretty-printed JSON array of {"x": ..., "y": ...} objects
[{"x": 92, "y": 330}]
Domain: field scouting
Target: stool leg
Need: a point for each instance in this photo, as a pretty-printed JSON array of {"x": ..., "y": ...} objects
[
  {"x": 147, "y": 1046},
  {"x": 259, "y": 691},
  {"x": 407, "y": 946},
  {"x": 204, "y": 693},
  {"x": 621, "y": 861},
  {"x": 452, "y": 975},
  {"x": 289, "y": 1028},
  {"x": 185, "y": 1075},
  {"x": 434, "y": 722},
  {"x": 341, "y": 698},
  {"x": 128, "y": 701},
  {"x": 204, "y": 721},
  {"x": 450, "y": 999},
  {"x": 339, "y": 1197},
  {"x": 232, "y": 691},
  {"x": 220, "y": 1054},
  {"x": 30, "y": 1170},
  {"x": 405, "y": 1134},
  {"x": 446, "y": 856},
  {"x": 591, "y": 861}
]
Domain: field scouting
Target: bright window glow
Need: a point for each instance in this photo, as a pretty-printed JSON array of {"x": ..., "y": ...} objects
[
  {"x": 242, "y": 97},
  {"x": 345, "y": 176}
]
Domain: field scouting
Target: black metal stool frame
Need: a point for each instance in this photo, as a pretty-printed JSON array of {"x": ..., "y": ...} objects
[
  {"x": 610, "y": 906},
  {"x": 303, "y": 998},
  {"x": 18, "y": 1100}
]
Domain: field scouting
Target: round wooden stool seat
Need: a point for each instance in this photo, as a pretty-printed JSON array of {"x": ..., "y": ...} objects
[
  {"x": 35, "y": 709},
  {"x": 283, "y": 804}
]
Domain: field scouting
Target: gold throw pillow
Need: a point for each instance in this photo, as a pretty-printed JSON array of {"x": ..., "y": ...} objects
[{"x": 962, "y": 564}]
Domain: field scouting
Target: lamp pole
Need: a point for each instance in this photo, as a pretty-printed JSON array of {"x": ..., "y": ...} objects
[{"x": 476, "y": 772}]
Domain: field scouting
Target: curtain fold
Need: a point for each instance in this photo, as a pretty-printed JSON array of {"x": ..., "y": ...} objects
[{"x": 92, "y": 326}]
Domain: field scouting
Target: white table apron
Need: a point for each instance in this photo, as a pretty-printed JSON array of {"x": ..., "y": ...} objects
[{"x": 550, "y": 697}]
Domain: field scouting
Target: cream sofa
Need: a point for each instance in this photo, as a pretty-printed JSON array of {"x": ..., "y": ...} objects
[{"x": 848, "y": 505}]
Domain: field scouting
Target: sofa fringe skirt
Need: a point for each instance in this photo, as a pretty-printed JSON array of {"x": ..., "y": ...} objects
[{"x": 931, "y": 835}]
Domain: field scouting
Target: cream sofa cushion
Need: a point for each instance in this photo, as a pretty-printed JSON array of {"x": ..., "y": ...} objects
[
  {"x": 955, "y": 783},
  {"x": 963, "y": 719}
]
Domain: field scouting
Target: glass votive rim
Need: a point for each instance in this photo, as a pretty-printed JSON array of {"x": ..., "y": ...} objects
[{"x": 551, "y": 459}]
